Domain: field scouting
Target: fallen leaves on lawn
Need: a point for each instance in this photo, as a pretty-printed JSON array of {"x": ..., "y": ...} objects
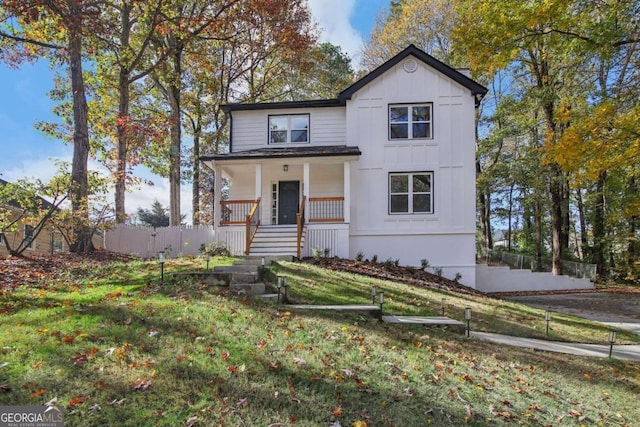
[{"x": 141, "y": 384}]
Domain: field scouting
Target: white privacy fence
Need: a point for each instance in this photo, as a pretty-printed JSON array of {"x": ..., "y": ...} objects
[{"x": 146, "y": 242}]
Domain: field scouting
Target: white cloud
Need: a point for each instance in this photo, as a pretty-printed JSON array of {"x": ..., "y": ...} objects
[{"x": 333, "y": 18}]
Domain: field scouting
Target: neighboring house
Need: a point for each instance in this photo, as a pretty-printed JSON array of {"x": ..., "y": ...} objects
[
  {"x": 48, "y": 241},
  {"x": 386, "y": 169}
]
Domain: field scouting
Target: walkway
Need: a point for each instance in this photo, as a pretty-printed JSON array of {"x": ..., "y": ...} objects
[{"x": 622, "y": 352}]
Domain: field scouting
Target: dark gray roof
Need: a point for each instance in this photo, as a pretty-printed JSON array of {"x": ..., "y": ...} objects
[
  {"x": 476, "y": 89},
  {"x": 288, "y": 152}
]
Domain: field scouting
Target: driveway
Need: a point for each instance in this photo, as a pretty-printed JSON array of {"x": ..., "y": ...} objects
[{"x": 617, "y": 309}]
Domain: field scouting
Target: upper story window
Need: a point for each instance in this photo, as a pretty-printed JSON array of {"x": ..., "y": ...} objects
[
  {"x": 410, "y": 121},
  {"x": 289, "y": 128},
  {"x": 410, "y": 193}
]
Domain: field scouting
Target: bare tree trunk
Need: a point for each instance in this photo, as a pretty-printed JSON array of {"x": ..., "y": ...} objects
[
  {"x": 599, "y": 232},
  {"x": 632, "y": 244},
  {"x": 539, "y": 234},
  {"x": 484, "y": 200},
  {"x": 584, "y": 241},
  {"x": 174, "y": 91},
  {"x": 195, "y": 196},
  {"x": 509, "y": 218},
  {"x": 123, "y": 120},
  {"x": 79, "y": 175},
  {"x": 557, "y": 224}
]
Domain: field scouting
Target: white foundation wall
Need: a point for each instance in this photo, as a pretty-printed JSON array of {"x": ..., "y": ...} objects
[
  {"x": 503, "y": 279},
  {"x": 454, "y": 253}
]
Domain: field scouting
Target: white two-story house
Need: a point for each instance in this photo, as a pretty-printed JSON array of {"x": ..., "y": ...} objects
[{"x": 386, "y": 169}]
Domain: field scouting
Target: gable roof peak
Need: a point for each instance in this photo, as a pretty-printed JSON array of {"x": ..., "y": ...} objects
[{"x": 477, "y": 90}]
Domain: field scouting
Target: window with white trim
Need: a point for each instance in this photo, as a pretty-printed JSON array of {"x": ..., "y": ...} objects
[
  {"x": 411, "y": 193},
  {"x": 410, "y": 121},
  {"x": 288, "y": 129}
]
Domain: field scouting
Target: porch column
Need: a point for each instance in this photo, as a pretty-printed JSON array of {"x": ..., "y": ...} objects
[
  {"x": 258, "y": 180},
  {"x": 217, "y": 198},
  {"x": 305, "y": 188},
  {"x": 347, "y": 192}
]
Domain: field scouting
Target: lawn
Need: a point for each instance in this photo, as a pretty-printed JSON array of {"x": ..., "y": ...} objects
[{"x": 115, "y": 348}]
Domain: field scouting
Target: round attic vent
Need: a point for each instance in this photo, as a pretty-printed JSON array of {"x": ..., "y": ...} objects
[{"x": 410, "y": 65}]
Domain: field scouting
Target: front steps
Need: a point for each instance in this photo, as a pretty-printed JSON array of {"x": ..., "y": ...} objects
[
  {"x": 276, "y": 240},
  {"x": 245, "y": 275}
]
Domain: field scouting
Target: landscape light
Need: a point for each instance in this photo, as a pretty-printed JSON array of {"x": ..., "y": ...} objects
[
  {"x": 285, "y": 285},
  {"x": 279, "y": 286},
  {"x": 612, "y": 340},
  {"x": 443, "y": 304},
  {"x": 161, "y": 260},
  {"x": 547, "y": 318},
  {"x": 467, "y": 317},
  {"x": 373, "y": 295},
  {"x": 381, "y": 299}
]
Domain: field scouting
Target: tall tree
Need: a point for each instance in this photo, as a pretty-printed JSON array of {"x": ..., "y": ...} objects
[
  {"x": 56, "y": 29},
  {"x": 426, "y": 23},
  {"x": 516, "y": 34},
  {"x": 123, "y": 61}
]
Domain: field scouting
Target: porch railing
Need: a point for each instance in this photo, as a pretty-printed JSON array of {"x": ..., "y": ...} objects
[
  {"x": 252, "y": 223},
  {"x": 235, "y": 211},
  {"x": 300, "y": 224},
  {"x": 326, "y": 209}
]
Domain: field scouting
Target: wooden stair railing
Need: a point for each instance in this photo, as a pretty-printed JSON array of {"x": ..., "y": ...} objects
[
  {"x": 252, "y": 223},
  {"x": 300, "y": 224}
]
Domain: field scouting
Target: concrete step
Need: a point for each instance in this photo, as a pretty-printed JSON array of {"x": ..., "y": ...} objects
[
  {"x": 252, "y": 269},
  {"x": 243, "y": 277},
  {"x": 270, "y": 297},
  {"x": 275, "y": 243},
  {"x": 252, "y": 288},
  {"x": 280, "y": 252}
]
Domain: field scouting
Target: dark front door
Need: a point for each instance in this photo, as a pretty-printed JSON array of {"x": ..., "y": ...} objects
[{"x": 288, "y": 201}]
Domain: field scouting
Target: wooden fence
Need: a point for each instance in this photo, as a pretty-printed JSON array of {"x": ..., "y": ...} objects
[{"x": 146, "y": 242}]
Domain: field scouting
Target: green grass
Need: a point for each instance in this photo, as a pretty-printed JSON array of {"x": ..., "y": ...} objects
[{"x": 115, "y": 348}]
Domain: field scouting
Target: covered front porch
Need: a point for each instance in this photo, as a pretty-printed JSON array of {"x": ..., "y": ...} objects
[{"x": 291, "y": 201}]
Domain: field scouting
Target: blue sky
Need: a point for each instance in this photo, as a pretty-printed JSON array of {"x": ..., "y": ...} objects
[{"x": 26, "y": 153}]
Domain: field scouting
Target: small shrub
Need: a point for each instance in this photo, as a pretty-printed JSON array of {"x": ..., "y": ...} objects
[
  {"x": 374, "y": 259},
  {"x": 424, "y": 263},
  {"x": 457, "y": 278},
  {"x": 360, "y": 256},
  {"x": 397, "y": 262},
  {"x": 215, "y": 249},
  {"x": 317, "y": 253},
  {"x": 437, "y": 271},
  {"x": 389, "y": 263},
  {"x": 327, "y": 252}
]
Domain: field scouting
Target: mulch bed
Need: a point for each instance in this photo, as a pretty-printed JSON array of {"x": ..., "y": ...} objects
[{"x": 389, "y": 271}]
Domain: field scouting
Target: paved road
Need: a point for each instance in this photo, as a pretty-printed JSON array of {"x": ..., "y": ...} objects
[{"x": 620, "y": 310}]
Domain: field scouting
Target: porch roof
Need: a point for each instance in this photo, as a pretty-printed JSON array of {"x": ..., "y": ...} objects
[{"x": 287, "y": 152}]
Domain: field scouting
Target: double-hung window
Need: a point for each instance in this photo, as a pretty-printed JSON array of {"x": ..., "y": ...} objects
[
  {"x": 410, "y": 121},
  {"x": 411, "y": 193},
  {"x": 289, "y": 128}
]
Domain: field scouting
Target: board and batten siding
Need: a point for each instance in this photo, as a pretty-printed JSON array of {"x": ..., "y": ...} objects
[
  {"x": 327, "y": 126},
  {"x": 446, "y": 238}
]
